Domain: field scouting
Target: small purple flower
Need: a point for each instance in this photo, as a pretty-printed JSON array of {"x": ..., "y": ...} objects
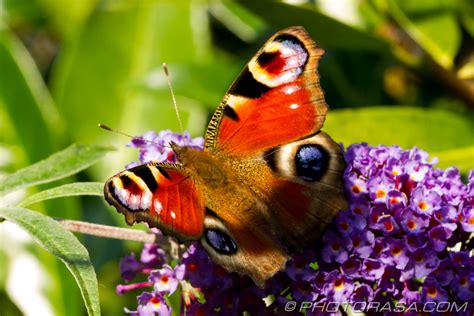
[
  {"x": 338, "y": 287},
  {"x": 415, "y": 242},
  {"x": 355, "y": 185},
  {"x": 152, "y": 255},
  {"x": 438, "y": 236},
  {"x": 360, "y": 206},
  {"x": 390, "y": 282},
  {"x": 352, "y": 267},
  {"x": 416, "y": 170},
  {"x": 413, "y": 223},
  {"x": 362, "y": 293},
  {"x": 372, "y": 269},
  {"x": 425, "y": 202},
  {"x": 387, "y": 224},
  {"x": 467, "y": 217},
  {"x": 336, "y": 247},
  {"x": 396, "y": 200},
  {"x": 410, "y": 296},
  {"x": 422, "y": 262},
  {"x": 166, "y": 279},
  {"x": 444, "y": 272},
  {"x": 298, "y": 268},
  {"x": 303, "y": 291},
  {"x": 447, "y": 214},
  {"x": 150, "y": 304},
  {"x": 363, "y": 243},
  {"x": 379, "y": 188},
  {"x": 395, "y": 254},
  {"x": 460, "y": 258},
  {"x": 347, "y": 222},
  {"x": 432, "y": 292},
  {"x": 130, "y": 267},
  {"x": 463, "y": 284}
]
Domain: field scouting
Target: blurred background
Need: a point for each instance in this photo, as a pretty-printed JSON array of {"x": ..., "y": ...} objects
[{"x": 394, "y": 72}]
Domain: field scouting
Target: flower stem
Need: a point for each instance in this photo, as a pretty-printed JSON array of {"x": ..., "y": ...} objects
[
  {"x": 113, "y": 232},
  {"x": 109, "y": 231}
]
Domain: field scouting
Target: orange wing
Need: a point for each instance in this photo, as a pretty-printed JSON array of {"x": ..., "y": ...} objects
[
  {"x": 162, "y": 195},
  {"x": 275, "y": 100}
]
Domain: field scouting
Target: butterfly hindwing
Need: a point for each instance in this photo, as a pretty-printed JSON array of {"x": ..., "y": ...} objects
[
  {"x": 255, "y": 252},
  {"x": 275, "y": 100},
  {"x": 306, "y": 190},
  {"x": 163, "y": 195}
]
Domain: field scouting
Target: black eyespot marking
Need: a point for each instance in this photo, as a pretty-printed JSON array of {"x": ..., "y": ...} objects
[
  {"x": 220, "y": 241},
  {"x": 247, "y": 86},
  {"x": 146, "y": 175},
  {"x": 230, "y": 113},
  {"x": 311, "y": 161}
]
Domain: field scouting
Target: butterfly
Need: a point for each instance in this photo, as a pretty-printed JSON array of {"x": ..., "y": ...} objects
[{"x": 268, "y": 180}]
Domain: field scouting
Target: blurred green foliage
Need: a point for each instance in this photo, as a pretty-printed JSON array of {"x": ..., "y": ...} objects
[{"x": 395, "y": 72}]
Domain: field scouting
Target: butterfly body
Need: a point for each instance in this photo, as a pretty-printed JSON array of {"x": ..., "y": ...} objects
[{"x": 268, "y": 180}]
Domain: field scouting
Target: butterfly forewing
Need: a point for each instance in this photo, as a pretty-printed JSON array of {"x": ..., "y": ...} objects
[
  {"x": 162, "y": 195},
  {"x": 275, "y": 100}
]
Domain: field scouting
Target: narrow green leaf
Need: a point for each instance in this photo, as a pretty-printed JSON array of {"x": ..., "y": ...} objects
[
  {"x": 71, "y": 189},
  {"x": 57, "y": 166},
  {"x": 62, "y": 244},
  {"x": 25, "y": 100}
]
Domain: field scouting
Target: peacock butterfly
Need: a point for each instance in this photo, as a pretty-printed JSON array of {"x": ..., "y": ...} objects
[{"x": 268, "y": 180}]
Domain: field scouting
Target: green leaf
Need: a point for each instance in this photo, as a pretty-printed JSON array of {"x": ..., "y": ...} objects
[
  {"x": 433, "y": 130},
  {"x": 71, "y": 189},
  {"x": 62, "y": 244},
  {"x": 67, "y": 16},
  {"x": 462, "y": 158},
  {"x": 466, "y": 8},
  {"x": 433, "y": 26},
  {"x": 26, "y": 100},
  {"x": 57, "y": 166},
  {"x": 327, "y": 32}
]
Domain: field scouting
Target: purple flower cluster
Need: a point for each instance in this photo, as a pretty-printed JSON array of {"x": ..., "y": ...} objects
[{"x": 405, "y": 239}]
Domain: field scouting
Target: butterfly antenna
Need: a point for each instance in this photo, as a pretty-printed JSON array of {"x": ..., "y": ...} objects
[
  {"x": 103, "y": 126},
  {"x": 107, "y": 128},
  {"x": 175, "y": 105}
]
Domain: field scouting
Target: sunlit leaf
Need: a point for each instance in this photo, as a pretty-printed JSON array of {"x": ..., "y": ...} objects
[
  {"x": 71, "y": 189},
  {"x": 67, "y": 16},
  {"x": 57, "y": 166},
  {"x": 462, "y": 158},
  {"x": 434, "y": 29},
  {"x": 429, "y": 129},
  {"x": 62, "y": 244}
]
